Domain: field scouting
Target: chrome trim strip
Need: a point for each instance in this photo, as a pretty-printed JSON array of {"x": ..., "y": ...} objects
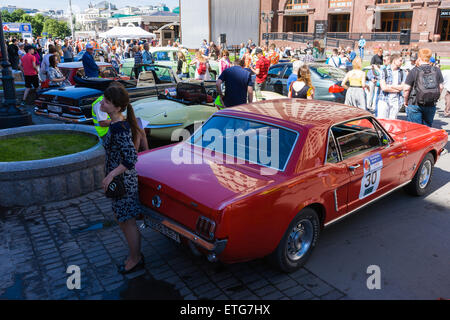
[
  {"x": 336, "y": 201},
  {"x": 366, "y": 204},
  {"x": 45, "y": 113},
  {"x": 258, "y": 121},
  {"x": 217, "y": 247},
  {"x": 161, "y": 126}
]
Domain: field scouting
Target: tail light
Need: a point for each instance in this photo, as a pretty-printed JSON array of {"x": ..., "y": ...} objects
[
  {"x": 206, "y": 227},
  {"x": 335, "y": 88},
  {"x": 75, "y": 109}
]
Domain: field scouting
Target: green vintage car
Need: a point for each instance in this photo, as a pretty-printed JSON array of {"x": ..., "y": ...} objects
[
  {"x": 167, "y": 56},
  {"x": 191, "y": 103}
]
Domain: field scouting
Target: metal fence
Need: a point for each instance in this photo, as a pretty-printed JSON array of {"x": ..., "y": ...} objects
[{"x": 337, "y": 39}]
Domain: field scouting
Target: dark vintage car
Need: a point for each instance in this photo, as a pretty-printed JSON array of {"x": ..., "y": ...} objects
[
  {"x": 325, "y": 79},
  {"x": 75, "y": 69},
  {"x": 74, "y": 103}
]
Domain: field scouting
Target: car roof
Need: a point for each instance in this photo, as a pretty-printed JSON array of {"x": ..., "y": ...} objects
[
  {"x": 79, "y": 64},
  {"x": 302, "y": 112},
  {"x": 154, "y": 49}
]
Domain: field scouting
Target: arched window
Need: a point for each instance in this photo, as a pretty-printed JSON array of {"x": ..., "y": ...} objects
[{"x": 297, "y": 4}]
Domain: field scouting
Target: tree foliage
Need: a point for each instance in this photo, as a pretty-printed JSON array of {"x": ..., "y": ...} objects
[{"x": 39, "y": 23}]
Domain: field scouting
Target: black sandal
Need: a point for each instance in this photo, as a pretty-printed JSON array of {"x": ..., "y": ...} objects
[{"x": 138, "y": 266}]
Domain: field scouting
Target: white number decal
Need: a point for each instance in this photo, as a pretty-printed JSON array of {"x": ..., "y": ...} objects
[{"x": 372, "y": 175}]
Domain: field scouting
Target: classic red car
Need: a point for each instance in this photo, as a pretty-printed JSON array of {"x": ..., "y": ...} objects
[{"x": 265, "y": 178}]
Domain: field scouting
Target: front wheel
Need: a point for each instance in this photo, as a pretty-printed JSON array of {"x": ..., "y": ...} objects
[
  {"x": 420, "y": 184},
  {"x": 298, "y": 241}
]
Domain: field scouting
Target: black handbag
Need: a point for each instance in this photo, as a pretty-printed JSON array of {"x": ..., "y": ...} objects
[{"x": 116, "y": 189}]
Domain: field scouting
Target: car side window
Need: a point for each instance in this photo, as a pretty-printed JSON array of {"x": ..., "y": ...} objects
[
  {"x": 162, "y": 56},
  {"x": 288, "y": 72},
  {"x": 275, "y": 72},
  {"x": 332, "y": 150},
  {"x": 356, "y": 137}
]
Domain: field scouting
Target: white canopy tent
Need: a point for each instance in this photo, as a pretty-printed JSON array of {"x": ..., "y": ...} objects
[{"x": 127, "y": 33}]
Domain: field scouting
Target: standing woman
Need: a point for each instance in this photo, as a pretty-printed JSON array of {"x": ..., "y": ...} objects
[
  {"x": 356, "y": 95},
  {"x": 302, "y": 88},
  {"x": 202, "y": 66},
  {"x": 182, "y": 66},
  {"x": 121, "y": 157},
  {"x": 224, "y": 62}
]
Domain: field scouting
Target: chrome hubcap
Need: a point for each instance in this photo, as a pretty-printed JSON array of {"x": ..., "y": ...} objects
[
  {"x": 300, "y": 239},
  {"x": 425, "y": 174}
]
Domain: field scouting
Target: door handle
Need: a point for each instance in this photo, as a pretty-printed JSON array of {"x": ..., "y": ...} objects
[{"x": 354, "y": 167}]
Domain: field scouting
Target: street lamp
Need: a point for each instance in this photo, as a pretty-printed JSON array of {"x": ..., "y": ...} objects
[
  {"x": 10, "y": 115},
  {"x": 267, "y": 18}
]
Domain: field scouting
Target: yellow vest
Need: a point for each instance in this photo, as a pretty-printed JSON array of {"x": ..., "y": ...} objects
[{"x": 101, "y": 131}]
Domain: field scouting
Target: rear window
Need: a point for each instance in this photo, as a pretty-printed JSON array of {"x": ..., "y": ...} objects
[
  {"x": 328, "y": 72},
  {"x": 249, "y": 141}
]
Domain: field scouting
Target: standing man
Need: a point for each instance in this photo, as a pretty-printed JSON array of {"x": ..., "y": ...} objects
[
  {"x": 361, "y": 45},
  {"x": 391, "y": 83},
  {"x": 13, "y": 54},
  {"x": 351, "y": 55},
  {"x": 261, "y": 70},
  {"x": 238, "y": 85},
  {"x": 67, "y": 51},
  {"x": 90, "y": 67},
  {"x": 378, "y": 58},
  {"x": 30, "y": 70},
  {"x": 147, "y": 57},
  {"x": 426, "y": 83}
]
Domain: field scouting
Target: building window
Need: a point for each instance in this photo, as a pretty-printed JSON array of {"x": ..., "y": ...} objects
[
  {"x": 395, "y": 21},
  {"x": 444, "y": 29},
  {"x": 339, "y": 23},
  {"x": 297, "y": 5},
  {"x": 301, "y": 24},
  {"x": 339, "y": 3}
]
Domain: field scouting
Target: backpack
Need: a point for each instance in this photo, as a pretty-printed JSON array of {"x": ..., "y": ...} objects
[
  {"x": 426, "y": 86},
  {"x": 201, "y": 68}
]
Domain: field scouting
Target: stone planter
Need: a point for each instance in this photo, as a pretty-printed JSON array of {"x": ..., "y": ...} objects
[{"x": 26, "y": 183}]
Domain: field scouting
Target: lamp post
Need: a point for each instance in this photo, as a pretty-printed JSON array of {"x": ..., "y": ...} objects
[
  {"x": 267, "y": 18},
  {"x": 10, "y": 115}
]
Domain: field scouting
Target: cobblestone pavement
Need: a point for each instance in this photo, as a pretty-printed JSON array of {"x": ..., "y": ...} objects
[{"x": 37, "y": 244}]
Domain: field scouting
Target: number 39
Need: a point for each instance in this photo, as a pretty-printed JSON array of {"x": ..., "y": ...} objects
[{"x": 371, "y": 178}]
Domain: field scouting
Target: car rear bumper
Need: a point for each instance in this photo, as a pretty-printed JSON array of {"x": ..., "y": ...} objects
[
  {"x": 63, "y": 117},
  {"x": 216, "y": 247}
]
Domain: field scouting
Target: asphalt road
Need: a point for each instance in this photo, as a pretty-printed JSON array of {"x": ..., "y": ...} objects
[{"x": 408, "y": 238}]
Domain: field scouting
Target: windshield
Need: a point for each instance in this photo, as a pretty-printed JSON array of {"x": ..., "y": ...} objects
[{"x": 250, "y": 141}]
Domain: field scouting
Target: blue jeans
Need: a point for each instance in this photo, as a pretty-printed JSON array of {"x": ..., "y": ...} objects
[
  {"x": 421, "y": 115},
  {"x": 361, "y": 53}
]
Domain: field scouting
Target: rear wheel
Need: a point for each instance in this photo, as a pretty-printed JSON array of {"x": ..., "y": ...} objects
[
  {"x": 420, "y": 184},
  {"x": 298, "y": 241}
]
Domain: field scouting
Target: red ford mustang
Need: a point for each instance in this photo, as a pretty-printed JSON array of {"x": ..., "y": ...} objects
[{"x": 265, "y": 178}]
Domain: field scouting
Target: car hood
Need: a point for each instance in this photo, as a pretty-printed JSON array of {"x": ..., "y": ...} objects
[
  {"x": 73, "y": 92},
  {"x": 211, "y": 184},
  {"x": 159, "y": 110},
  {"x": 400, "y": 129}
]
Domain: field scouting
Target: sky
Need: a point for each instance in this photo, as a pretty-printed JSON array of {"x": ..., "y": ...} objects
[{"x": 82, "y": 4}]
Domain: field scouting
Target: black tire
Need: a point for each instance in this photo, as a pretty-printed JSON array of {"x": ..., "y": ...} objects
[
  {"x": 280, "y": 258},
  {"x": 417, "y": 187}
]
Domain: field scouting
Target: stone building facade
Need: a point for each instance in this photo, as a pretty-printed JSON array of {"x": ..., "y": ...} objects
[{"x": 428, "y": 21}]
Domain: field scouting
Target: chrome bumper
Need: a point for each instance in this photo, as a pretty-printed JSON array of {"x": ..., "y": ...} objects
[
  {"x": 63, "y": 117},
  {"x": 216, "y": 247}
]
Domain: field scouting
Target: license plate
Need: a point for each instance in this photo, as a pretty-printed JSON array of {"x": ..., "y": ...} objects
[
  {"x": 155, "y": 225},
  {"x": 54, "y": 109}
]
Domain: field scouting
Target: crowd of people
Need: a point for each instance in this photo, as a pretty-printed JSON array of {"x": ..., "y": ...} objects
[{"x": 384, "y": 89}]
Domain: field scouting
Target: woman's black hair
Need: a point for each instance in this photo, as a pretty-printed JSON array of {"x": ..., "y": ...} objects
[{"x": 52, "y": 61}]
